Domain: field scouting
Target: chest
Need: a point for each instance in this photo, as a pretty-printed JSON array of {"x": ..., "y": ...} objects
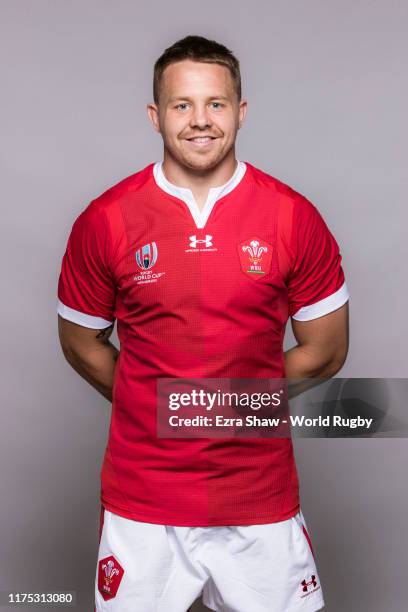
[{"x": 169, "y": 262}]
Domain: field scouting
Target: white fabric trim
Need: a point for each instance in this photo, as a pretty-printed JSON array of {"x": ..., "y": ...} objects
[
  {"x": 323, "y": 307},
  {"x": 81, "y": 318},
  {"x": 215, "y": 193}
]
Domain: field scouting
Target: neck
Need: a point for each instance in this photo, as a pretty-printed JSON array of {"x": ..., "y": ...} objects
[{"x": 199, "y": 181}]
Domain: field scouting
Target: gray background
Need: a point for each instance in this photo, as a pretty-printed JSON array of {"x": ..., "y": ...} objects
[{"x": 327, "y": 90}]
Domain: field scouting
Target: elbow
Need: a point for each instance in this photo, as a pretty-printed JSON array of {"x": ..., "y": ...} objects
[
  {"x": 68, "y": 353},
  {"x": 337, "y": 361}
]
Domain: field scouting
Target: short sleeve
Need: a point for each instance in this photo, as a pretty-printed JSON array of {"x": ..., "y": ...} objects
[
  {"x": 86, "y": 288},
  {"x": 316, "y": 284}
]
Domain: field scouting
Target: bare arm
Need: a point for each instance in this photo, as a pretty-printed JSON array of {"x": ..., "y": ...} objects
[
  {"x": 321, "y": 350},
  {"x": 90, "y": 353}
]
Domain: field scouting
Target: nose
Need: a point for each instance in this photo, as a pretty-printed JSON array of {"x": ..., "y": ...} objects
[{"x": 200, "y": 117}]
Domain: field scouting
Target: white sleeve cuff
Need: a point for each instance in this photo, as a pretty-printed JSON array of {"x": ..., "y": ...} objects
[
  {"x": 323, "y": 307},
  {"x": 81, "y": 318}
]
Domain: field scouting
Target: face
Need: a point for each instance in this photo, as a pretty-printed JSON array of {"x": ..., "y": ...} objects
[{"x": 198, "y": 114}]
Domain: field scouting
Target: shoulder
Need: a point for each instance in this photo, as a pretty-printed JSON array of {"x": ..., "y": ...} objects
[
  {"x": 102, "y": 216},
  {"x": 291, "y": 200},
  {"x": 108, "y": 202},
  {"x": 127, "y": 186}
]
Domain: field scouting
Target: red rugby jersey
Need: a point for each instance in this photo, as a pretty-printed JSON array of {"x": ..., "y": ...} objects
[{"x": 191, "y": 299}]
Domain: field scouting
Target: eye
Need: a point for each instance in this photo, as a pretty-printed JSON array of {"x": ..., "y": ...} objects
[
  {"x": 182, "y": 106},
  {"x": 217, "y": 105}
]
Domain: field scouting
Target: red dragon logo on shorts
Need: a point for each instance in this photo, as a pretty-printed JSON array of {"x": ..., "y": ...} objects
[{"x": 110, "y": 574}]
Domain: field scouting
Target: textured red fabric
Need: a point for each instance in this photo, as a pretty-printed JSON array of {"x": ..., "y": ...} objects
[{"x": 196, "y": 313}]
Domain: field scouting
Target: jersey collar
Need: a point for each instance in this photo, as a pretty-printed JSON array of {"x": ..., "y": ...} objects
[{"x": 186, "y": 195}]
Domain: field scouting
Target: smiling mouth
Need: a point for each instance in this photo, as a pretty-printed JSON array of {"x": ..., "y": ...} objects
[{"x": 201, "y": 140}]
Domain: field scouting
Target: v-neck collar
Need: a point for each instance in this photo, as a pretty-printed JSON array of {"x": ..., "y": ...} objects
[{"x": 186, "y": 195}]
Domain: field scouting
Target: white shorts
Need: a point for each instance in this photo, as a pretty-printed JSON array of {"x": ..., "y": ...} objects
[{"x": 145, "y": 567}]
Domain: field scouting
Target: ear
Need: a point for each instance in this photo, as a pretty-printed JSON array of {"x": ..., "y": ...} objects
[
  {"x": 243, "y": 107},
  {"x": 153, "y": 114}
]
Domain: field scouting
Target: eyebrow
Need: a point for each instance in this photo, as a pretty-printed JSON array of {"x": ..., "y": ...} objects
[{"x": 175, "y": 98}]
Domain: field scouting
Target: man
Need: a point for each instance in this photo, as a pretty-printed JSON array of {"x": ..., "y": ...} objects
[{"x": 200, "y": 259}]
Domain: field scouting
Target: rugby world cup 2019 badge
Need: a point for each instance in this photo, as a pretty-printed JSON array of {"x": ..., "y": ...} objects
[
  {"x": 146, "y": 258},
  {"x": 255, "y": 255},
  {"x": 110, "y": 574}
]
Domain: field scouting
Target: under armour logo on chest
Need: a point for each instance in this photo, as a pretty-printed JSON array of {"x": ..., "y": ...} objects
[{"x": 194, "y": 241}]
